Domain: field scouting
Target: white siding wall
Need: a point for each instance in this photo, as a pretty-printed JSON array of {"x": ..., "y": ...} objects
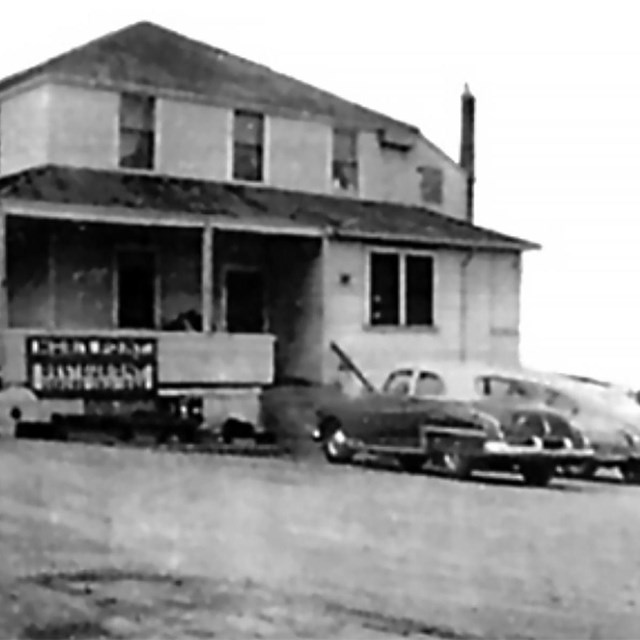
[
  {"x": 479, "y": 334},
  {"x": 78, "y": 126},
  {"x": 24, "y": 130}
]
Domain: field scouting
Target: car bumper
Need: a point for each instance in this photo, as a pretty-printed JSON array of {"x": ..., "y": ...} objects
[{"x": 535, "y": 453}]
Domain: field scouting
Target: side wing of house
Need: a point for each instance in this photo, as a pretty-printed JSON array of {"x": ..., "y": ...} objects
[{"x": 386, "y": 305}]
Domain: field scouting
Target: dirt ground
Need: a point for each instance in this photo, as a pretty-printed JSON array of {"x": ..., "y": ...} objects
[{"x": 111, "y": 543}]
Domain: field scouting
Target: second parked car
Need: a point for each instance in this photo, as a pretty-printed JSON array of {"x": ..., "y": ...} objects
[{"x": 606, "y": 416}]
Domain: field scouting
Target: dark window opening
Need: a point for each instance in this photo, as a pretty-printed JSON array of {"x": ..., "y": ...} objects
[
  {"x": 419, "y": 293},
  {"x": 431, "y": 185},
  {"x": 136, "y": 290},
  {"x": 137, "y": 131},
  {"x": 248, "y": 146},
  {"x": 345, "y": 160},
  {"x": 245, "y": 299},
  {"x": 385, "y": 289},
  {"x": 401, "y": 290}
]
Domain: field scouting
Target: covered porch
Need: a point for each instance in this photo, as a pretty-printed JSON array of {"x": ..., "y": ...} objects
[{"x": 228, "y": 305}]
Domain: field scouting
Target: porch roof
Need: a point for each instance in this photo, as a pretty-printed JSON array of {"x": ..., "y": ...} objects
[{"x": 338, "y": 217}]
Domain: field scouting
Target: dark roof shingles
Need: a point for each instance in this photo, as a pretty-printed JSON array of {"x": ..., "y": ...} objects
[
  {"x": 345, "y": 216},
  {"x": 148, "y": 55}
]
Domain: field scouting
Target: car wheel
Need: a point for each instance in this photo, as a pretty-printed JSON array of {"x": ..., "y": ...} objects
[
  {"x": 456, "y": 463},
  {"x": 536, "y": 475},
  {"x": 411, "y": 464},
  {"x": 335, "y": 447},
  {"x": 631, "y": 472},
  {"x": 583, "y": 471}
]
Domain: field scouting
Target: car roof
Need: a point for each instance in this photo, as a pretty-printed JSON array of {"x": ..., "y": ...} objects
[{"x": 472, "y": 369}]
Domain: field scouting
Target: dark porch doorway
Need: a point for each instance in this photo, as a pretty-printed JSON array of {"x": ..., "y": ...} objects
[
  {"x": 245, "y": 301},
  {"x": 136, "y": 289}
]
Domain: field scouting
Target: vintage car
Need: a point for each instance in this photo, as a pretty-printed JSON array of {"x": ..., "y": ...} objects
[
  {"x": 457, "y": 437},
  {"x": 606, "y": 414}
]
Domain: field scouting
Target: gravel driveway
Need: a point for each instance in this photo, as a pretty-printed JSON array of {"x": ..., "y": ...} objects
[{"x": 98, "y": 542}]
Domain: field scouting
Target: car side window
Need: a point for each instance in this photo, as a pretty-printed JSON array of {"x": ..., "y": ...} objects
[
  {"x": 493, "y": 386},
  {"x": 500, "y": 387},
  {"x": 429, "y": 384},
  {"x": 398, "y": 383}
]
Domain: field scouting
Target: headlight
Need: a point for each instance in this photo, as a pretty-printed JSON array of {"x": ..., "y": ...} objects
[{"x": 339, "y": 437}]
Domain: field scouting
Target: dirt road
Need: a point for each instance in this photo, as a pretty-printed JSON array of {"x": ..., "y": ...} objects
[{"x": 98, "y": 542}]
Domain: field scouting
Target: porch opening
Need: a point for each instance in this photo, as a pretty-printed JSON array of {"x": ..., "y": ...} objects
[
  {"x": 262, "y": 291},
  {"x": 136, "y": 289},
  {"x": 245, "y": 301}
]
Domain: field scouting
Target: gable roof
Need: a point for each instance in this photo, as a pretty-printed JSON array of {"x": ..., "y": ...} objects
[
  {"x": 147, "y": 56},
  {"x": 346, "y": 218}
]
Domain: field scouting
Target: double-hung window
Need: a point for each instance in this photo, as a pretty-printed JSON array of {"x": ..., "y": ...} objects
[
  {"x": 401, "y": 287},
  {"x": 137, "y": 131},
  {"x": 345, "y": 160},
  {"x": 248, "y": 146}
]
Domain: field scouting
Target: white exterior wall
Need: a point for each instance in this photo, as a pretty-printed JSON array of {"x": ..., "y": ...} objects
[
  {"x": 24, "y": 130},
  {"x": 483, "y": 328},
  {"x": 78, "y": 126}
]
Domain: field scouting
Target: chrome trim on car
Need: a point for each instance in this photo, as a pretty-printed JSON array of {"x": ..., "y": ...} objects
[{"x": 537, "y": 449}]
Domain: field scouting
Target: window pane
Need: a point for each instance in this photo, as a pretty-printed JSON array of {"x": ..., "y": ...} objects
[
  {"x": 136, "y": 149},
  {"x": 247, "y": 163},
  {"x": 345, "y": 145},
  {"x": 419, "y": 294},
  {"x": 136, "y": 112},
  {"x": 345, "y": 175},
  {"x": 248, "y": 128},
  {"x": 431, "y": 179},
  {"x": 385, "y": 287}
]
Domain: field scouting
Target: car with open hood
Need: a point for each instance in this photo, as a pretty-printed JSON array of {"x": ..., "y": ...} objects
[{"x": 417, "y": 428}]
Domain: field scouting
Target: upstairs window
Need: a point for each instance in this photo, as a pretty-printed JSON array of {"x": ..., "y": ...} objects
[
  {"x": 248, "y": 146},
  {"x": 431, "y": 185},
  {"x": 137, "y": 131},
  {"x": 345, "y": 160},
  {"x": 401, "y": 289}
]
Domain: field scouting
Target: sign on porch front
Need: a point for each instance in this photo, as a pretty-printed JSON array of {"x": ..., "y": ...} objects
[{"x": 87, "y": 366}]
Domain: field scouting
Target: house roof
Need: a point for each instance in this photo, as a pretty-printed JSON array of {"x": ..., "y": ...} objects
[
  {"x": 147, "y": 56},
  {"x": 340, "y": 217}
]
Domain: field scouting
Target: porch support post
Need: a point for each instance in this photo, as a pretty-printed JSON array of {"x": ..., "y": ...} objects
[
  {"x": 52, "y": 276},
  {"x": 207, "y": 276},
  {"x": 4, "y": 298}
]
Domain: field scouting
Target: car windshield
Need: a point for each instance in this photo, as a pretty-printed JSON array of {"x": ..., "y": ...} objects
[{"x": 398, "y": 383}]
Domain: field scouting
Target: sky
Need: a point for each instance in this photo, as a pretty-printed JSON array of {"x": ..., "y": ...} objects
[{"x": 557, "y": 125}]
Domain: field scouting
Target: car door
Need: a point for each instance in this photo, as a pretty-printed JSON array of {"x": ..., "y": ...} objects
[{"x": 383, "y": 418}]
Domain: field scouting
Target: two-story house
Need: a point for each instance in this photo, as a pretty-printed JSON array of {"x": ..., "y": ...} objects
[{"x": 178, "y": 219}]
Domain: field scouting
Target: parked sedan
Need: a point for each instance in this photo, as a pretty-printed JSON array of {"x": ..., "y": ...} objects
[
  {"x": 605, "y": 415},
  {"x": 455, "y": 436}
]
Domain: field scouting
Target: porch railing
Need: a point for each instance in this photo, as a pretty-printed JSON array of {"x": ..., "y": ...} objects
[{"x": 184, "y": 359}]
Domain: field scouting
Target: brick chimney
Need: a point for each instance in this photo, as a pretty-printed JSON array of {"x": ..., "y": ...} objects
[{"x": 467, "y": 145}]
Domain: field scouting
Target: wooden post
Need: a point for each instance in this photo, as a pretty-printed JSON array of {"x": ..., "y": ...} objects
[
  {"x": 4, "y": 299},
  {"x": 52, "y": 287},
  {"x": 207, "y": 277}
]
